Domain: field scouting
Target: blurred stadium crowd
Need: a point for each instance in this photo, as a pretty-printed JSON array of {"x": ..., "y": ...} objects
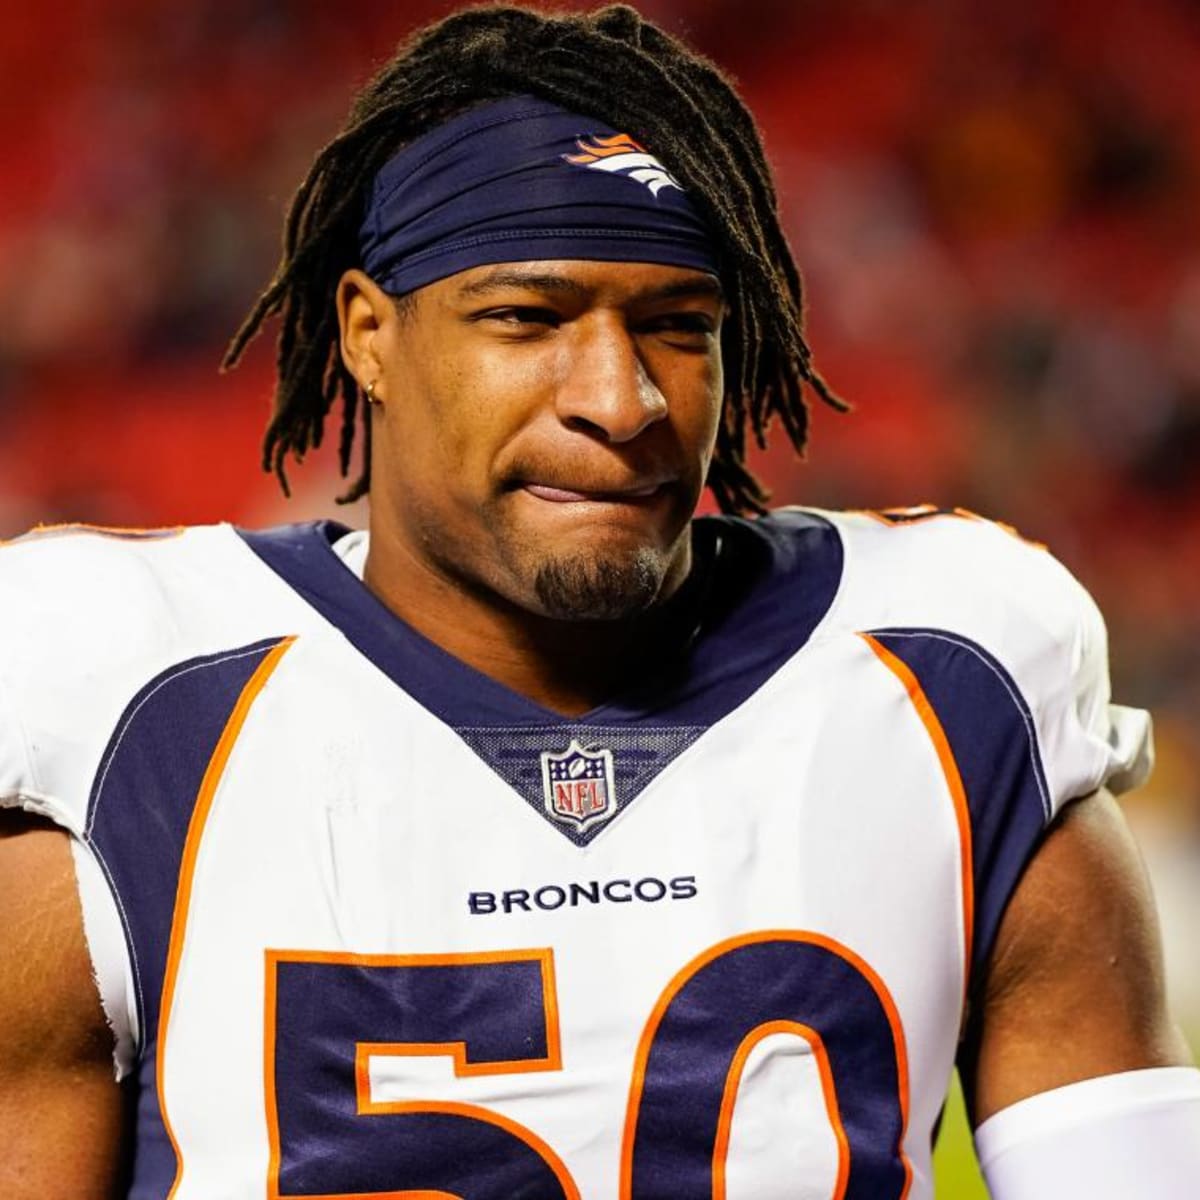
[{"x": 995, "y": 203}]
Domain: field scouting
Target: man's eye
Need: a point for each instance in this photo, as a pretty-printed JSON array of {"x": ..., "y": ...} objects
[
  {"x": 682, "y": 322},
  {"x": 522, "y": 316}
]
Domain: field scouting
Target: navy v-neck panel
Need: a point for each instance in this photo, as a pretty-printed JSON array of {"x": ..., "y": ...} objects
[{"x": 765, "y": 585}]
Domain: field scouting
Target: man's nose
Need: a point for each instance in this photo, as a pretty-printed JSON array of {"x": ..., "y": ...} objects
[{"x": 606, "y": 388}]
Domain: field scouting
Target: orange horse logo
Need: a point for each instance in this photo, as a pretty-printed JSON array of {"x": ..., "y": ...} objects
[{"x": 621, "y": 155}]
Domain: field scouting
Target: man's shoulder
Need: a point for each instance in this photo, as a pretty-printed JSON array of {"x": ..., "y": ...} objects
[
  {"x": 75, "y": 581},
  {"x": 940, "y": 569},
  {"x": 960, "y": 600},
  {"x": 83, "y": 606},
  {"x": 962, "y": 592},
  {"x": 90, "y": 568},
  {"x": 91, "y": 618}
]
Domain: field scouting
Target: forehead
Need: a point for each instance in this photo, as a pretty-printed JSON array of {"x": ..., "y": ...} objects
[{"x": 581, "y": 279}]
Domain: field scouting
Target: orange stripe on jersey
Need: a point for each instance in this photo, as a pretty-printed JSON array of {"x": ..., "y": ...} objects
[
  {"x": 892, "y": 517},
  {"x": 916, "y": 514},
  {"x": 954, "y": 784},
  {"x": 191, "y": 848},
  {"x": 122, "y": 533},
  {"x": 734, "y": 1080}
]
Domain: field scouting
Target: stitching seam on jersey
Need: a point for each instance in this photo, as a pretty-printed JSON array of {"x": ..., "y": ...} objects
[
  {"x": 162, "y": 683},
  {"x": 1026, "y": 718}
]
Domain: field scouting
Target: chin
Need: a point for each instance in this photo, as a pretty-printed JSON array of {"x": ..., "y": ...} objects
[{"x": 599, "y": 588}]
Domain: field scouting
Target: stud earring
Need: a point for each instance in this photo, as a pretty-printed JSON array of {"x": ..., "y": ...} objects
[{"x": 371, "y": 397}]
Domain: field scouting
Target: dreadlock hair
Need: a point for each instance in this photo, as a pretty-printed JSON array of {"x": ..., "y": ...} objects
[{"x": 612, "y": 65}]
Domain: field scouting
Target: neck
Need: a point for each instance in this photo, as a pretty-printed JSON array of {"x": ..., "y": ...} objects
[{"x": 569, "y": 667}]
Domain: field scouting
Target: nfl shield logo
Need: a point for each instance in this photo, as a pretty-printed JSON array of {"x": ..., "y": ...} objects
[{"x": 578, "y": 785}]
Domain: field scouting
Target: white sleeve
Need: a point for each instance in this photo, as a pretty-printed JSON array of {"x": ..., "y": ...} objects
[{"x": 1134, "y": 1134}]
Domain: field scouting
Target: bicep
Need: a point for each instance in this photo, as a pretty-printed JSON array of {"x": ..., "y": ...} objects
[
  {"x": 59, "y": 1100},
  {"x": 1075, "y": 985}
]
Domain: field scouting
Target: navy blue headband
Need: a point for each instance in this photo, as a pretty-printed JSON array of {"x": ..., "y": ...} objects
[{"x": 521, "y": 179}]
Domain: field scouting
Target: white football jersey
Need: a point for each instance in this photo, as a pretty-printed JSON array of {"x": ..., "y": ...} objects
[{"x": 366, "y": 922}]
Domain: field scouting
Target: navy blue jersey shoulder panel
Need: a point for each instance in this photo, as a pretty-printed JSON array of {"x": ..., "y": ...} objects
[
  {"x": 143, "y": 794},
  {"x": 757, "y": 591},
  {"x": 139, "y": 811},
  {"x": 994, "y": 742}
]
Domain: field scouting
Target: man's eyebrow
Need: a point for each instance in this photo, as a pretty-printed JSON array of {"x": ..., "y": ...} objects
[
  {"x": 704, "y": 287},
  {"x": 496, "y": 281}
]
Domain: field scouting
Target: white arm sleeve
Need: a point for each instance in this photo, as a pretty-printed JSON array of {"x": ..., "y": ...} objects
[{"x": 1136, "y": 1134}]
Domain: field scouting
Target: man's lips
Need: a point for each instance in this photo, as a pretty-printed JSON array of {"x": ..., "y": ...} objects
[{"x": 563, "y": 495}]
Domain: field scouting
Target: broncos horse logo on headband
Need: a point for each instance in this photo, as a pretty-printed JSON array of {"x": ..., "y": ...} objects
[{"x": 621, "y": 155}]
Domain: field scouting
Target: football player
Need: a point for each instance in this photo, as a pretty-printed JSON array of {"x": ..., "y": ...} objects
[{"x": 545, "y": 840}]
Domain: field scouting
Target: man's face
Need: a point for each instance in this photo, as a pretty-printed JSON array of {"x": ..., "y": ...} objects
[{"x": 546, "y": 429}]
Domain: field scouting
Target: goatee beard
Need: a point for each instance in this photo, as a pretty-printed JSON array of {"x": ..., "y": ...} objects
[{"x": 597, "y": 589}]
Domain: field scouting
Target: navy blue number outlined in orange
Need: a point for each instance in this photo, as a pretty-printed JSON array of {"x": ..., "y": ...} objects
[
  {"x": 714, "y": 1011},
  {"x": 492, "y": 1013},
  {"x": 327, "y": 1143}
]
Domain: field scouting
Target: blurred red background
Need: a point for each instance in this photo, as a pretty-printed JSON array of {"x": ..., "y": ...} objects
[{"x": 994, "y": 203}]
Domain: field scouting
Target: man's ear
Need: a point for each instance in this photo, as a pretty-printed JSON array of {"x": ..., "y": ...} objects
[{"x": 362, "y": 308}]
